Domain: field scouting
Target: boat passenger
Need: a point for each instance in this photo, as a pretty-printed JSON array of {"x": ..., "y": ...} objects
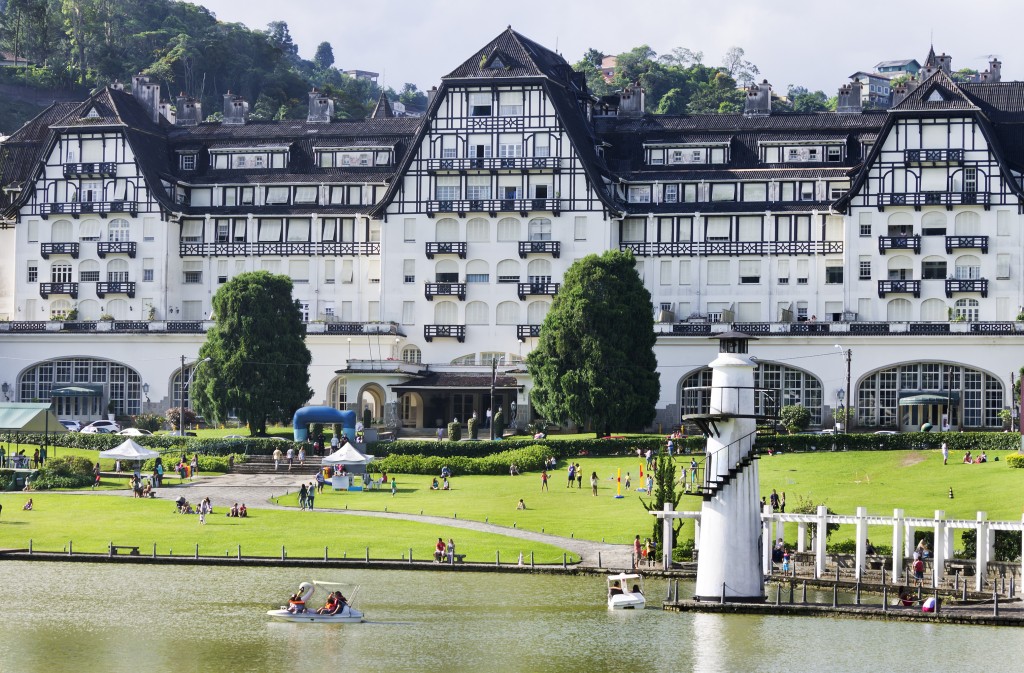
[
  {"x": 330, "y": 607},
  {"x": 636, "y": 589},
  {"x": 296, "y": 604},
  {"x": 615, "y": 589}
]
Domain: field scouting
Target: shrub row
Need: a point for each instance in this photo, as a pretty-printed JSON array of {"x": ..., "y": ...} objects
[
  {"x": 558, "y": 448},
  {"x": 162, "y": 443},
  {"x": 1016, "y": 461},
  {"x": 956, "y": 441},
  {"x": 64, "y": 472},
  {"x": 526, "y": 458}
]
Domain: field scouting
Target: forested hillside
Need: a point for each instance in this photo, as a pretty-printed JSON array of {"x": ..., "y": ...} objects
[{"x": 77, "y": 45}]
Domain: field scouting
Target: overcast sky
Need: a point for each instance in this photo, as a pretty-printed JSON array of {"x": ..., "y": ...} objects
[{"x": 814, "y": 43}]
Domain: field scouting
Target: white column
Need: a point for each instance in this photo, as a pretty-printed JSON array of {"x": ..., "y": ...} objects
[
  {"x": 820, "y": 538},
  {"x": 801, "y": 537},
  {"x": 767, "y": 541},
  {"x": 908, "y": 541},
  {"x": 862, "y": 537},
  {"x": 666, "y": 537},
  {"x": 981, "y": 551},
  {"x": 897, "y": 545},
  {"x": 939, "y": 548},
  {"x": 780, "y": 529},
  {"x": 696, "y": 534}
]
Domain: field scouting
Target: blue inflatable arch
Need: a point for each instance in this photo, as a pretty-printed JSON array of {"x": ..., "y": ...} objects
[{"x": 306, "y": 415}]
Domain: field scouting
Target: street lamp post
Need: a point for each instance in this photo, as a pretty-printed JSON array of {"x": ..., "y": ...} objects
[
  {"x": 494, "y": 376},
  {"x": 184, "y": 386},
  {"x": 849, "y": 400}
]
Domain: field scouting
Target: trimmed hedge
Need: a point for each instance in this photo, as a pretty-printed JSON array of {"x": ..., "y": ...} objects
[
  {"x": 1016, "y": 461},
  {"x": 162, "y": 443},
  {"x": 528, "y": 458},
  {"x": 558, "y": 448},
  {"x": 64, "y": 472},
  {"x": 956, "y": 441}
]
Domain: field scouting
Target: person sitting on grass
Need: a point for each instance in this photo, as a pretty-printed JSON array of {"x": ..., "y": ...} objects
[
  {"x": 445, "y": 486},
  {"x": 28, "y": 505},
  {"x": 521, "y": 505},
  {"x": 967, "y": 458},
  {"x": 434, "y": 485},
  {"x": 242, "y": 511}
]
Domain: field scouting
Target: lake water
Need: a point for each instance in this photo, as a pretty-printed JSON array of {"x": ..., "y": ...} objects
[{"x": 151, "y": 619}]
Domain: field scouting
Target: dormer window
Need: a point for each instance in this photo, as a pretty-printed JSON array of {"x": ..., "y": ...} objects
[
  {"x": 188, "y": 162},
  {"x": 92, "y": 114},
  {"x": 835, "y": 153}
]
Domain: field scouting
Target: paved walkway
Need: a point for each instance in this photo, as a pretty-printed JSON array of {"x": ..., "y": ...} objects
[{"x": 256, "y": 490}]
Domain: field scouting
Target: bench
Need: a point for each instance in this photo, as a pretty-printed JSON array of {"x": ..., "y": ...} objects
[
  {"x": 132, "y": 549},
  {"x": 459, "y": 558}
]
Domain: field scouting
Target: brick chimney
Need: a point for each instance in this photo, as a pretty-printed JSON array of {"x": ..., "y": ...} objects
[
  {"x": 190, "y": 110},
  {"x": 631, "y": 101},
  {"x": 849, "y": 99}
]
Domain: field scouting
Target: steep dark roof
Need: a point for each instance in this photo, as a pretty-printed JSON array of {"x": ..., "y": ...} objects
[
  {"x": 938, "y": 92},
  {"x": 382, "y": 109},
  {"x": 510, "y": 55}
]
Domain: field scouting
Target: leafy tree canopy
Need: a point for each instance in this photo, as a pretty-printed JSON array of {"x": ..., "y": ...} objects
[
  {"x": 595, "y": 364},
  {"x": 259, "y": 362},
  {"x": 324, "y": 57}
]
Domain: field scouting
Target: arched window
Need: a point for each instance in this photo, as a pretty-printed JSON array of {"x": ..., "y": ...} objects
[
  {"x": 59, "y": 308},
  {"x": 477, "y": 271},
  {"x": 108, "y": 383},
  {"x": 337, "y": 393},
  {"x": 933, "y": 267},
  {"x": 478, "y": 230},
  {"x": 901, "y": 224},
  {"x": 536, "y": 311},
  {"x": 508, "y": 313},
  {"x": 966, "y": 309},
  {"x": 60, "y": 273},
  {"x": 967, "y": 223},
  {"x": 118, "y": 230},
  {"x": 508, "y": 271},
  {"x": 509, "y": 229},
  {"x": 933, "y": 223},
  {"x": 412, "y": 354},
  {"x": 974, "y": 398},
  {"x": 117, "y": 271},
  {"x": 60, "y": 232},
  {"x": 447, "y": 229},
  {"x": 540, "y": 229},
  {"x": 795, "y": 386},
  {"x": 900, "y": 267},
  {"x": 446, "y": 271},
  {"x": 88, "y": 271},
  {"x": 934, "y": 310},
  {"x": 898, "y": 310},
  {"x": 89, "y": 309},
  {"x": 967, "y": 267},
  {"x": 477, "y": 313},
  {"x": 446, "y": 313},
  {"x": 89, "y": 230},
  {"x": 118, "y": 308},
  {"x": 539, "y": 271}
]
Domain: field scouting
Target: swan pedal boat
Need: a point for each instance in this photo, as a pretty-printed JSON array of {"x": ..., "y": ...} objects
[
  {"x": 347, "y": 615},
  {"x": 621, "y": 594}
]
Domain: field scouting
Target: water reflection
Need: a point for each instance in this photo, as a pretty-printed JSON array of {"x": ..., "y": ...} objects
[{"x": 153, "y": 619}]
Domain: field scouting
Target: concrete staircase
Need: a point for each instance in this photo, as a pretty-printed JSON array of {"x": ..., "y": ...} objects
[{"x": 265, "y": 465}]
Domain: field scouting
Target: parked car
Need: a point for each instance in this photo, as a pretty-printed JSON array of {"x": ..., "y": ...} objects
[
  {"x": 113, "y": 426},
  {"x": 71, "y": 425},
  {"x": 886, "y": 432},
  {"x": 135, "y": 432},
  {"x": 98, "y": 430}
]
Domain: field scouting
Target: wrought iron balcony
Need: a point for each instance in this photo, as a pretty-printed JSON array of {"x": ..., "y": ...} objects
[
  {"x": 528, "y": 289},
  {"x": 955, "y": 242},
  {"x": 46, "y": 289},
  {"x": 186, "y": 326},
  {"x": 107, "y": 169},
  {"x": 118, "y": 287},
  {"x": 899, "y": 243},
  {"x": 899, "y": 287},
  {"x": 691, "y": 328},
  {"x": 446, "y": 248},
  {"x": 553, "y": 248},
  {"x": 349, "y": 248},
  {"x": 936, "y": 156},
  {"x": 430, "y": 332},
  {"x": 928, "y": 328},
  {"x": 495, "y": 164},
  {"x": 690, "y": 248},
  {"x": 431, "y": 290},
  {"x": 494, "y": 206},
  {"x": 967, "y": 285},
  {"x": 47, "y": 249},
  {"x": 527, "y": 331},
  {"x": 76, "y": 208},
  {"x": 104, "y": 248},
  {"x": 130, "y": 326},
  {"x": 948, "y": 199},
  {"x": 809, "y": 328}
]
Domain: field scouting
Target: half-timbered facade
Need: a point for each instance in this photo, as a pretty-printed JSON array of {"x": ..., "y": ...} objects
[{"x": 422, "y": 250}]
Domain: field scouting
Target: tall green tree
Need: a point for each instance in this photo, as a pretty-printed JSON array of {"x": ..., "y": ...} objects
[
  {"x": 595, "y": 364},
  {"x": 324, "y": 56},
  {"x": 259, "y": 362}
]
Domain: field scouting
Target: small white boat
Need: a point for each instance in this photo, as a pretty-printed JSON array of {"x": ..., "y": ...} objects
[
  {"x": 346, "y": 614},
  {"x": 626, "y": 592}
]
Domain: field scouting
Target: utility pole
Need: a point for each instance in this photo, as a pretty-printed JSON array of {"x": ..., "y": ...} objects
[
  {"x": 494, "y": 375},
  {"x": 849, "y": 397},
  {"x": 181, "y": 411}
]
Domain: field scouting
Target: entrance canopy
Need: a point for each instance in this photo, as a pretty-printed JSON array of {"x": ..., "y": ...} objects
[
  {"x": 445, "y": 381},
  {"x": 28, "y": 417},
  {"x": 78, "y": 390},
  {"x": 929, "y": 398}
]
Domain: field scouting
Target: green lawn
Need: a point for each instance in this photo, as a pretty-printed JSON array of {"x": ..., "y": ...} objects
[
  {"x": 91, "y": 522},
  {"x": 561, "y": 511}
]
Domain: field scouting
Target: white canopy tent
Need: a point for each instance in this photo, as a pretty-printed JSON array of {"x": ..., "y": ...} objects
[
  {"x": 348, "y": 455},
  {"x": 129, "y": 450}
]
